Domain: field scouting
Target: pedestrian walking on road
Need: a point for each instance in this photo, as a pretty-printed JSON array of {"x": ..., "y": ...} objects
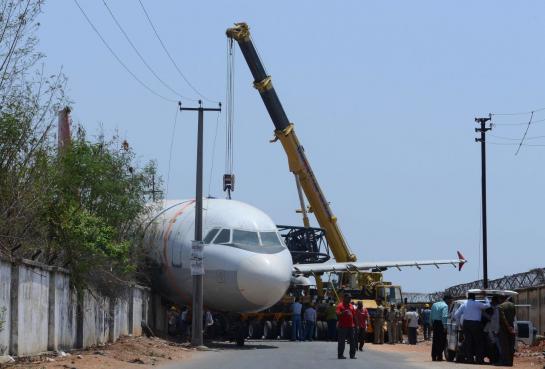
[
  {"x": 378, "y": 323},
  {"x": 411, "y": 318},
  {"x": 438, "y": 320},
  {"x": 347, "y": 323},
  {"x": 331, "y": 317},
  {"x": 471, "y": 313},
  {"x": 310, "y": 322},
  {"x": 392, "y": 324},
  {"x": 507, "y": 334},
  {"x": 362, "y": 317},
  {"x": 296, "y": 333}
]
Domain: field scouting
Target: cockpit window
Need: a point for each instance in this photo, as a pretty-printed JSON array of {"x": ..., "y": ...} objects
[
  {"x": 224, "y": 236},
  {"x": 269, "y": 239},
  {"x": 211, "y": 234},
  {"x": 245, "y": 237}
]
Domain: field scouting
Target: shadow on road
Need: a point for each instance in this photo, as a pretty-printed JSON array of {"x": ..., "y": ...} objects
[{"x": 233, "y": 346}]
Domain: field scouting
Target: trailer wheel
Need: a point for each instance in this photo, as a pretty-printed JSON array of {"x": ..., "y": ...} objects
[
  {"x": 255, "y": 330},
  {"x": 268, "y": 330},
  {"x": 285, "y": 330},
  {"x": 275, "y": 329}
]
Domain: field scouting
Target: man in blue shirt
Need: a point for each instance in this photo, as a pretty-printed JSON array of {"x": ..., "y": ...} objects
[
  {"x": 426, "y": 322},
  {"x": 438, "y": 321},
  {"x": 471, "y": 313},
  {"x": 296, "y": 333}
]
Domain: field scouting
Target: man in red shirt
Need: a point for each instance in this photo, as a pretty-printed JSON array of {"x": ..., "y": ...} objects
[
  {"x": 346, "y": 327},
  {"x": 362, "y": 316}
]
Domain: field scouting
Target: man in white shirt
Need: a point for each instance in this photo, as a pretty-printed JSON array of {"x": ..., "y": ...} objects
[
  {"x": 471, "y": 313},
  {"x": 411, "y": 318}
]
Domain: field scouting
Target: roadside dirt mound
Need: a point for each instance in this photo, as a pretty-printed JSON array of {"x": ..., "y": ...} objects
[{"x": 127, "y": 352}]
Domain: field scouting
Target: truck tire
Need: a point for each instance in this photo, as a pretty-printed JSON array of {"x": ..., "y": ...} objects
[
  {"x": 268, "y": 330},
  {"x": 255, "y": 329}
]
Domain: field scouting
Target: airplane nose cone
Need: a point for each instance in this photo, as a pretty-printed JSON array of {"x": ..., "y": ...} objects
[{"x": 264, "y": 278}]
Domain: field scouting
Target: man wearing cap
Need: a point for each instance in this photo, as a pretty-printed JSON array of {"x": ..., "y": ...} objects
[
  {"x": 426, "y": 324},
  {"x": 346, "y": 326},
  {"x": 438, "y": 321}
]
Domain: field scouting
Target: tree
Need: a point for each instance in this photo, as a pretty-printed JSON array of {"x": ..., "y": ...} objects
[
  {"x": 28, "y": 103},
  {"x": 99, "y": 200},
  {"x": 82, "y": 208}
]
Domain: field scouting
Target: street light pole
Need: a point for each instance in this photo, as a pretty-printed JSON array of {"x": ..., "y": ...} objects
[{"x": 197, "y": 266}]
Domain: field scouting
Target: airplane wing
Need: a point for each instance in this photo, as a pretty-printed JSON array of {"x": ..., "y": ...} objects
[{"x": 307, "y": 269}]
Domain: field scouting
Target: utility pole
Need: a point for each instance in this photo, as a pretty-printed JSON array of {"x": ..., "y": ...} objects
[
  {"x": 197, "y": 267},
  {"x": 483, "y": 129}
]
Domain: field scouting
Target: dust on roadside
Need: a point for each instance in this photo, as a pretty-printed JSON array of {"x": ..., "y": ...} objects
[{"x": 126, "y": 353}]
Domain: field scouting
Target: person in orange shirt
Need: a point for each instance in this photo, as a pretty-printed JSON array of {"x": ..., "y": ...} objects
[
  {"x": 346, "y": 327},
  {"x": 362, "y": 316}
]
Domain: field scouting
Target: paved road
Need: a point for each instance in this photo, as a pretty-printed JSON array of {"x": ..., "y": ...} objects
[{"x": 302, "y": 355}]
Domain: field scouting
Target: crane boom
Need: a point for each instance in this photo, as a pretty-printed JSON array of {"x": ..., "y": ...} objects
[{"x": 285, "y": 132}]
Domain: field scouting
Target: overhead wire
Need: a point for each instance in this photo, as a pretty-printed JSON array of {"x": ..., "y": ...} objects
[
  {"x": 119, "y": 59},
  {"x": 173, "y": 134},
  {"x": 152, "y": 71},
  {"x": 525, "y": 133},
  {"x": 513, "y": 138},
  {"x": 519, "y": 113},
  {"x": 514, "y": 144},
  {"x": 170, "y": 56}
]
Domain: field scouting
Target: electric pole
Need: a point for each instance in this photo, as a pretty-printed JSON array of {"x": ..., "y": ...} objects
[
  {"x": 197, "y": 266},
  {"x": 483, "y": 129}
]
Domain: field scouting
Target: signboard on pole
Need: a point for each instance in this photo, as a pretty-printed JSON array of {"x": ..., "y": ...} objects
[{"x": 197, "y": 266}]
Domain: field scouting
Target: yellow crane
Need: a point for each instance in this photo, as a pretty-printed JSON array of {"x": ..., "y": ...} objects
[{"x": 297, "y": 160}]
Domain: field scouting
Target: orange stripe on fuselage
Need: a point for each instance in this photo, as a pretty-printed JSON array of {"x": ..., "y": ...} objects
[{"x": 166, "y": 265}]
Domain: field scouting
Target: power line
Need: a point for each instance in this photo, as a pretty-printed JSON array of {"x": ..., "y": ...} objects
[
  {"x": 514, "y": 144},
  {"x": 519, "y": 123},
  {"x": 118, "y": 58},
  {"x": 516, "y": 139},
  {"x": 170, "y": 56},
  {"x": 525, "y": 133},
  {"x": 173, "y": 134},
  {"x": 141, "y": 57},
  {"x": 519, "y": 113}
]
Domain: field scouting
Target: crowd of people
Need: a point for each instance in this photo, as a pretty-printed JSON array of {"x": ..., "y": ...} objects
[
  {"x": 180, "y": 322},
  {"x": 488, "y": 327}
]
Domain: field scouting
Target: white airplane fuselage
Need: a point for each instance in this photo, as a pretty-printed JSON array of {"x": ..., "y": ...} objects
[{"x": 247, "y": 266}]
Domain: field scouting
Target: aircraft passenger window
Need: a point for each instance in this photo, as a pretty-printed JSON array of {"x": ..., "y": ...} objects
[
  {"x": 223, "y": 237},
  {"x": 245, "y": 237},
  {"x": 210, "y": 235},
  {"x": 269, "y": 239}
]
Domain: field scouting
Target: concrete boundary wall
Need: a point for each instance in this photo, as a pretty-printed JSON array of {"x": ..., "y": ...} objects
[{"x": 40, "y": 312}]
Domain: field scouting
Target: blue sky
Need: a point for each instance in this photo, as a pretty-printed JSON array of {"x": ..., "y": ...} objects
[{"x": 383, "y": 96}]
